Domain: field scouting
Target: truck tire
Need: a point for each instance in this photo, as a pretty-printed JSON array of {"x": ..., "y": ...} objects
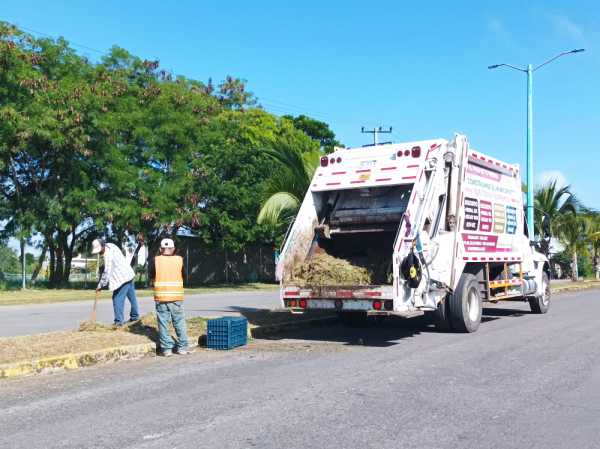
[
  {"x": 466, "y": 305},
  {"x": 353, "y": 319},
  {"x": 541, "y": 304},
  {"x": 441, "y": 317}
]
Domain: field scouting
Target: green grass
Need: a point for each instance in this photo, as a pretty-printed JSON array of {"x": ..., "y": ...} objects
[{"x": 45, "y": 296}]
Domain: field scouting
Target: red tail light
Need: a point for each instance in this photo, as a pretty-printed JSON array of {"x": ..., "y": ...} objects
[
  {"x": 302, "y": 303},
  {"x": 399, "y": 153},
  {"x": 338, "y": 160},
  {"x": 332, "y": 161},
  {"x": 324, "y": 161},
  {"x": 377, "y": 304},
  {"x": 407, "y": 153},
  {"x": 292, "y": 303},
  {"x": 416, "y": 151}
]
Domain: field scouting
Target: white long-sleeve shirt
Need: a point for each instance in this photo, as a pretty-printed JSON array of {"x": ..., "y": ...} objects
[{"x": 116, "y": 269}]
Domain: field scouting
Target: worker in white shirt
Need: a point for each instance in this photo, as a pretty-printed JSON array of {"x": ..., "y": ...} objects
[{"x": 119, "y": 277}]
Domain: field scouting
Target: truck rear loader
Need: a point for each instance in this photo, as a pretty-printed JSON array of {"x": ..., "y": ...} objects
[{"x": 440, "y": 225}]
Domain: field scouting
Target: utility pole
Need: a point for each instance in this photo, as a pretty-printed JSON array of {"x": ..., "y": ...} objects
[
  {"x": 375, "y": 132},
  {"x": 529, "y": 72},
  {"x": 23, "y": 271}
]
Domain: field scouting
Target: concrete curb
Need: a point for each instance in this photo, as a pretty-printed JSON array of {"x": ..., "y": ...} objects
[
  {"x": 575, "y": 288},
  {"x": 75, "y": 361}
]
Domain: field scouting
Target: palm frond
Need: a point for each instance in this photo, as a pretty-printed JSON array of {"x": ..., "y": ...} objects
[{"x": 277, "y": 207}]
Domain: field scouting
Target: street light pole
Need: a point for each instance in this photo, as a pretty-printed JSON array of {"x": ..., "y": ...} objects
[
  {"x": 529, "y": 71},
  {"x": 530, "y": 226}
]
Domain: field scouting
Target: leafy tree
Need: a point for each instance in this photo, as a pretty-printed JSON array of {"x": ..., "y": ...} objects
[
  {"x": 316, "y": 130},
  {"x": 235, "y": 173},
  {"x": 232, "y": 94},
  {"x": 9, "y": 261}
]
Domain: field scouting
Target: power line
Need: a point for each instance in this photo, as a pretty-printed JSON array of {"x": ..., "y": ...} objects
[
  {"x": 41, "y": 33},
  {"x": 278, "y": 106}
]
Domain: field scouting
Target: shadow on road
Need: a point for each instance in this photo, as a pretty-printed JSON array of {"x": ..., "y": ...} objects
[
  {"x": 494, "y": 313},
  {"x": 377, "y": 332}
]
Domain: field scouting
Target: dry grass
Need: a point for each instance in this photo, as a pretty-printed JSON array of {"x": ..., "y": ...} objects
[
  {"x": 91, "y": 336},
  {"x": 44, "y": 296},
  {"x": 28, "y": 347},
  {"x": 323, "y": 269},
  {"x": 96, "y": 336}
]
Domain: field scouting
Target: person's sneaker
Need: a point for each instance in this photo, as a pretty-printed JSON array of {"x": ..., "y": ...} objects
[
  {"x": 183, "y": 351},
  {"x": 133, "y": 320},
  {"x": 166, "y": 353}
]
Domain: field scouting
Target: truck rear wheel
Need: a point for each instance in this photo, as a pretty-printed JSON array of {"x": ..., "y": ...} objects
[
  {"x": 541, "y": 304},
  {"x": 441, "y": 317},
  {"x": 466, "y": 305}
]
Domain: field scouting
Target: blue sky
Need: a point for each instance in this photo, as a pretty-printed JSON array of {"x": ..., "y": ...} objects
[{"x": 420, "y": 68}]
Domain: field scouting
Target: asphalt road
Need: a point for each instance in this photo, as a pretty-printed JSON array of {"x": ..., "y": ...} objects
[
  {"x": 521, "y": 381},
  {"x": 36, "y": 318}
]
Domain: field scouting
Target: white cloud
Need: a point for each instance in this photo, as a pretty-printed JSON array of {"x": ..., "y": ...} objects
[
  {"x": 496, "y": 26},
  {"x": 549, "y": 176},
  {"x": 567, "y": 27}
]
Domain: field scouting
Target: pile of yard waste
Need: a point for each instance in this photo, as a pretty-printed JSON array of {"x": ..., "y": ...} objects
[
  {"x": 146, "y": 326},
  {"x": 323, "y": 269}
]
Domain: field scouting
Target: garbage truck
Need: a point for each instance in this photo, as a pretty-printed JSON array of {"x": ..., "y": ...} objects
[{"x": 444, "y": 220}]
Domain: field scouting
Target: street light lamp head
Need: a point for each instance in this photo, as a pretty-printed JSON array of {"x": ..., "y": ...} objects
[
  {"x": 577, "y": 50},
  {"x": 495, "y": 66}
]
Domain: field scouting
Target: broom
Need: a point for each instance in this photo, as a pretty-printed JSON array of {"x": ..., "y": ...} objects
[{"x": 93, "y": 315}]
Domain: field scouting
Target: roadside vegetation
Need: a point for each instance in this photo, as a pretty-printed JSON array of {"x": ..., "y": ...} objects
[
  {"x": 575, "y": 227},
  {"x": 124, "y": 149}
]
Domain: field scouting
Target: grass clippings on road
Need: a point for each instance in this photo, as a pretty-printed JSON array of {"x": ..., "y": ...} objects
[
  {"x": 45, "y": 296},
  {"x": 89, "y": 337},
  {"x": 32, "y": 347}
]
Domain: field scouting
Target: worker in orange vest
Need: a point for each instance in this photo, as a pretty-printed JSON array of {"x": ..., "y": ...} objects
[{"x": 167, "y": 274}]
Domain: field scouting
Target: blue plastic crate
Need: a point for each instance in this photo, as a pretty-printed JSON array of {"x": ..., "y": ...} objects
[{"x": 227, "y": 332}]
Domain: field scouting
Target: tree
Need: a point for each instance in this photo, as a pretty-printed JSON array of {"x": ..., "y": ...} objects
[
  {"x": 235, "y": 172},
  {"x": 554, "y": 203},
  {"x": 316, "y": 130},
  {"x": 52, "y": 127},
  {"x": 233, "y": 94},
  {"x": 572, "y": 230},
  {"x": 9, "y": 261},
  {"x": 286, "y": 191}
]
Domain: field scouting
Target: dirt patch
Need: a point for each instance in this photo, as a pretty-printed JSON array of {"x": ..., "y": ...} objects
[{"x": 323, "y": 269}]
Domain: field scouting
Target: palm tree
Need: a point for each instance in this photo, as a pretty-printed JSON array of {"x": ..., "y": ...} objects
[
  {"x": 593, "y": 235},
  {"x": 286, "y": 191},
  {"x": 573, "y": 230},
  {"x": 554, "y": 203}
]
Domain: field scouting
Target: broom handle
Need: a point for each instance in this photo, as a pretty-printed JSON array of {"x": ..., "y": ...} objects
[{"x": 93, "y": 317}]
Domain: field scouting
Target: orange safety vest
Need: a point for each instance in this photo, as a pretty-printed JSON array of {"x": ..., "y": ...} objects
[{"x": 168, "y": 280}]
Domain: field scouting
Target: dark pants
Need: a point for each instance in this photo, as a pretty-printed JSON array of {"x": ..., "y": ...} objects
[{"x": 118, "y": 298}]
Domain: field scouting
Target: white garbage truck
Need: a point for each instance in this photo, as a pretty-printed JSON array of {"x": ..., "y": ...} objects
[{"x": 444, "y": 223}]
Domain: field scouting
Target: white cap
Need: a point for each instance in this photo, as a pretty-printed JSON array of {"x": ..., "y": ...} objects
[
  {"x": 167, "y": 243},
  {"x": 96, "y": 246}
]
